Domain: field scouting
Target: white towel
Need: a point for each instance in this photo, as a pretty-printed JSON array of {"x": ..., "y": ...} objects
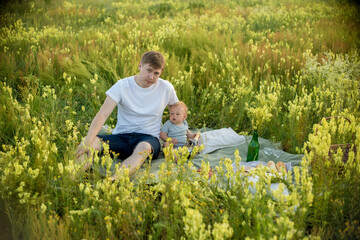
[{"x": 220, "y": 138}]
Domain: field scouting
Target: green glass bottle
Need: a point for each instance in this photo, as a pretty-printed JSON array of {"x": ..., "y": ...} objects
[{"x": 254, "y": 146}]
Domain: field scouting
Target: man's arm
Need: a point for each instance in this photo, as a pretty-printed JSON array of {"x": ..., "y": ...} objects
[{"x": 96, "y": 124}]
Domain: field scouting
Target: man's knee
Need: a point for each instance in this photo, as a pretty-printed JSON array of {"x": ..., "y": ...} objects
[{"x": 143, "y": 147}]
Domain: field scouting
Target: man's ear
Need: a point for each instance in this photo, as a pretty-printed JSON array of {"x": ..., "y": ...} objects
[{"x": 139, "y": 65}]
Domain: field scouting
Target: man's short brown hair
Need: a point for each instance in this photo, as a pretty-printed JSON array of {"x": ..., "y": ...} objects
[{"x": 155, "y": 59}]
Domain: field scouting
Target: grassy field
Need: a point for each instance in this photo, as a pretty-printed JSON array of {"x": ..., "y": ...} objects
[{"x": 278, "y": 66}]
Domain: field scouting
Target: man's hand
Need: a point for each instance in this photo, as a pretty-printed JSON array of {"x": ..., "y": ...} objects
[
  {"x": 174, "y": 141},
  {"x": 91, "y": 140},
  {"x": 81, "y": 149}
]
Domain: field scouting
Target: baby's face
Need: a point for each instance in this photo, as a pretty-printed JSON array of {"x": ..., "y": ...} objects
[{"x": 177, "y": 115}]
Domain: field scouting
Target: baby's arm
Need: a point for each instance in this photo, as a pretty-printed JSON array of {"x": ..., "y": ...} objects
[
  {"x": 190, "y": 135},
  {"x": 164, "y": 136}
]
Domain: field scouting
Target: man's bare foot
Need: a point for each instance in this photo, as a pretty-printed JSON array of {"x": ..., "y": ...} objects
[{"x": 210, "y": 172}]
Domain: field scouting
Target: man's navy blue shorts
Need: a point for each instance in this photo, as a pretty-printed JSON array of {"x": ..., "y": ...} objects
[{"x": 125, "y": 143}]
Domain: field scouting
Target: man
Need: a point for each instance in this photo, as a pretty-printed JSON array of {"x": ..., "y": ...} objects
[{"x": 141, "y": 100}]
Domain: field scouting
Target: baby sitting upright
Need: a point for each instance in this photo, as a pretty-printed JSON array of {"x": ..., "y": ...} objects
[{"x": 176, "y": 127}]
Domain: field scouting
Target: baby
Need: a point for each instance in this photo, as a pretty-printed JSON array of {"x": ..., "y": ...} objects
[{"x": 177, "y": 128}]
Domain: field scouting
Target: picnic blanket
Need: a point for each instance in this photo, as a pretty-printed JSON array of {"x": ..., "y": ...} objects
[{"x": 222, "y": 143}]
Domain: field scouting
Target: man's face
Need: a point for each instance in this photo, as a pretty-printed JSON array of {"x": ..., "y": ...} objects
[
  {"x": 148, "y": 75},
  {"x": 177, "y": 115}
]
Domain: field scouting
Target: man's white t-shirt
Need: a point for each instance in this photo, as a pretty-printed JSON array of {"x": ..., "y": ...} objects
[{"x": 140, "y": 109}]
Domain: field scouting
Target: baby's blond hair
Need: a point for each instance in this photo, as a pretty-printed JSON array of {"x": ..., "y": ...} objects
[{"x": 181, "y": 105}]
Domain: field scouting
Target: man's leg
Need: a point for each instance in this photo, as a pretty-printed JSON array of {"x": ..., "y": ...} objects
[{"x": 136, "y": 160}]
